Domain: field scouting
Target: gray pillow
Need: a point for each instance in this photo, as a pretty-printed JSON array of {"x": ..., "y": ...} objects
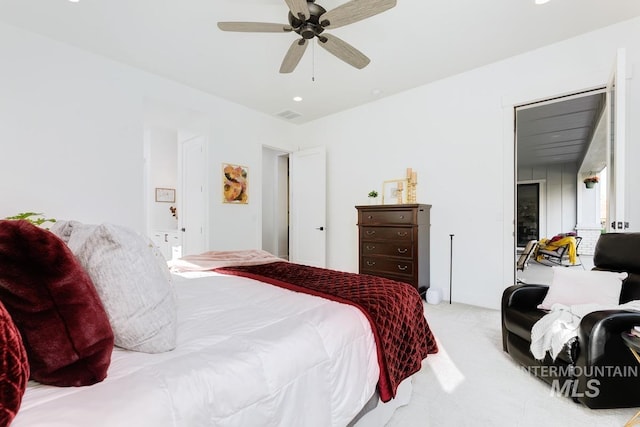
[
  {"x": 73, "y": 233},
  {"x": 134, "y": 284},
  {"x": 63, "y": 229}
]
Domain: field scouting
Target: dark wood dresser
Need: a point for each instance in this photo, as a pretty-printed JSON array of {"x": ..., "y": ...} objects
[{"x": 394, "y": 242}]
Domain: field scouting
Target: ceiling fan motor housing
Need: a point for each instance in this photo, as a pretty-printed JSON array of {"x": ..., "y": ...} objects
[{"x": 311, "y": 27}]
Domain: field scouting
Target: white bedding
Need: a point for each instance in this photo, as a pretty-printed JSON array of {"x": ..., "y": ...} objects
[{"x": 248, "y": 354}]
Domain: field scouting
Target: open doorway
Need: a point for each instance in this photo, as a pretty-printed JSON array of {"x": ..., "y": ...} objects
[
  {"x": 550, "y": 131},
  {"x": 294, "y": 204},
  {"x": 275, "y": 202},
  {"x": 557, "y": 139}
]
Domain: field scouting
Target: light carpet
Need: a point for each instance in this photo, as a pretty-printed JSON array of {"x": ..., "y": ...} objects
[{"x": 472, "y": 382}]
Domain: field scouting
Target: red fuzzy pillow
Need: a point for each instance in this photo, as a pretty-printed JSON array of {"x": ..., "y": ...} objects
[
  {"x": 54, "y": 305},
  {"x": 14, "y": 368}
]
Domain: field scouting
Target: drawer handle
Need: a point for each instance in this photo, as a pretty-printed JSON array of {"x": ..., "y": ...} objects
[
  {"x": 371, "y": 232},
  {"x": 402, "y": 250},
  {"x": 369, "y": 216},
  {"x": 402, "y": 233},
  {"x": 370, "y": 247},
  {"x": 371, "y": 263},
  {"x": 402, "y": 267},
  {"x": 401, "y": 216}
]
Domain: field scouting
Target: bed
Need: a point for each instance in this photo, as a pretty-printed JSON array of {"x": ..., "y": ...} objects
[{"x": 246, "y": 352}]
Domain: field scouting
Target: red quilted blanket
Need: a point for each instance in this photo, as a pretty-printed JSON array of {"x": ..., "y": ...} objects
[{"x": 394, "y": 309}]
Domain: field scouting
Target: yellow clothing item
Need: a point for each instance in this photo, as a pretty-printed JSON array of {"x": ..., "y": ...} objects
[{"x": 547, "y": 245}]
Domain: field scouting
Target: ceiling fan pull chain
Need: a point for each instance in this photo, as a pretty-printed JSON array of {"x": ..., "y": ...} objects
[{"x": 313, "y": 62}]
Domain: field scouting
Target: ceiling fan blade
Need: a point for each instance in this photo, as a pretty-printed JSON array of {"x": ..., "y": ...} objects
[
  {"x": 254, "y": 27},
  {"x": 293, "y": 56},
  {"x": 354, "y": 11},
  {"x": 343, "y": 50},
  {"x": 299, "y": 7}
]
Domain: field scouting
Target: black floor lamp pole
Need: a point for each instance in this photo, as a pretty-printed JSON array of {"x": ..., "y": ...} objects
[{"x": 450, "y": 268}]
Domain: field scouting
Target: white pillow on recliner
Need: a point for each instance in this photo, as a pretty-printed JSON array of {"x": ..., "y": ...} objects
[{"x": 571, "y": 287}]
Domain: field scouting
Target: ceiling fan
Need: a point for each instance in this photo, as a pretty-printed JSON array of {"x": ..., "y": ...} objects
[{"x": 309, "y": 20}]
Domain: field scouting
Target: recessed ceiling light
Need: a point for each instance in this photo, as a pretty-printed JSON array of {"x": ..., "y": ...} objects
[
  {"x": 542, "y": 1},
  {"x": 74, "y": 1},
  {"x": 297, "y": 98}
]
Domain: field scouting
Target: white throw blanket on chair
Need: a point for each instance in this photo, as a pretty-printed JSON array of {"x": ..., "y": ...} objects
[{"x": 556, "y": 328}]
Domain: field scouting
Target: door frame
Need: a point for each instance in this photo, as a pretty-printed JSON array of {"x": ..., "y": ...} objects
[
  {"x": 529, "y": 96},
  {"x": 616, "y": 148}
]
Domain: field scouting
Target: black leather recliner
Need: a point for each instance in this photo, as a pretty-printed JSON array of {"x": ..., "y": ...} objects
[{"x": 596, "y": 369}]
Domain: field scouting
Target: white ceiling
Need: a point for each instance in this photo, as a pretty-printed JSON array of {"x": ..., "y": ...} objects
[
  {"x": 415, "y": 43},
  {"x": 563, "y": 131}
]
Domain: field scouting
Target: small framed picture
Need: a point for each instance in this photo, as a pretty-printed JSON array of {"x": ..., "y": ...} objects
[
  {"x": 166, "y": 195},
  {"x": 394, "y": 192}
]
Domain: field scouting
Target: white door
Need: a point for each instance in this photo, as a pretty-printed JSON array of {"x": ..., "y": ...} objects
[
  {"x": 192, "y": 213},
  {"x": 616, "y": 144},
  {"x": 307, "y": 182}
]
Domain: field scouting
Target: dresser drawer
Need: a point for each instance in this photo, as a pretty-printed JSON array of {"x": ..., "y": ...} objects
[
  {"x": 398, "y": 234},
  {"x": 396, "y": 277},
  {"x": 386, "y": 265},
  {"x": 395, "y": 216},
  {"x": 395, "y": 249}
]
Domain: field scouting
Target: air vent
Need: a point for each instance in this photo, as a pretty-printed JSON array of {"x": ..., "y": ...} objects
[{"x": 288, "y": 114}]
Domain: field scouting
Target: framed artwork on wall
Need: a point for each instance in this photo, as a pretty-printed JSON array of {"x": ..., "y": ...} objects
[
  {"x": 166, "y": 195},
  {"x": 394, "y": 192},
  {"x": 235, "y": 184}
]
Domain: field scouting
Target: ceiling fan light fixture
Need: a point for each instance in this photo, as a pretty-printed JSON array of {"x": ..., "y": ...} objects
[{"x": 307, "y": 31}]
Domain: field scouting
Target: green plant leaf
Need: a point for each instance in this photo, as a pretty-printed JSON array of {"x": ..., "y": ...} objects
[{"x": 30, "y": 216}]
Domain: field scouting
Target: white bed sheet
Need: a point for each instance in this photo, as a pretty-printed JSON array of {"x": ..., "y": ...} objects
[{"x": 248, "y": 354}]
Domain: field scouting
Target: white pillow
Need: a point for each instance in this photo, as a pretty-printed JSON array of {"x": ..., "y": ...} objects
[
  {"x": 134, "y": 284},
  {"x": 570, "y": 287}
]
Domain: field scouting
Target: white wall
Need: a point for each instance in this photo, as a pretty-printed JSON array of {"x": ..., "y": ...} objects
[
  {"x": 458, "y": 134},
  {"x": 72, "y": 130},
  {"x": 70, "y": 142}
]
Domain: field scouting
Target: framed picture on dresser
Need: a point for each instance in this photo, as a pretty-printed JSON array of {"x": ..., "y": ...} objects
[{"x": 394, "y": 191}]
